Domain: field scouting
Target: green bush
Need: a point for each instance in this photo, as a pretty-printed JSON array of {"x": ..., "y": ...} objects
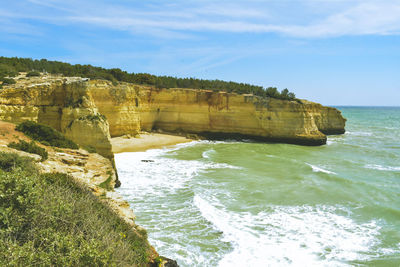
[
  {"x": 11, "y": 161},
  {"x": 45, "y": 135},
  {"x": 32, "y": 74},
  {"x": 90, "y": 149},
  {"x": 7, "y": 70},
  {"x": 52, "y": 220},
  {"x": 31, "y": 147},
  {"x": 97, "y": 117},
  {"x": 8, "y": 81}
]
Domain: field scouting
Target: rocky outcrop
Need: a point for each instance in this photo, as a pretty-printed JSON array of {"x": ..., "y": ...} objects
[
  {"x": 131, "y": 108},
  {"x": 120, "y": 104},
  {"x": 328, "y": 120},
  {"x": 90, "y": 169},
  {"x": 62, "y": 103}
]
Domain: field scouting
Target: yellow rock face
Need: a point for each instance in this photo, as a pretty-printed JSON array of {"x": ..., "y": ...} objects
[
  {"x": 71, "y": 105},
  {"x": 130, "y": 109},
  {"x": 62, "y": 103},
  {"x": 119, "y": 104}
]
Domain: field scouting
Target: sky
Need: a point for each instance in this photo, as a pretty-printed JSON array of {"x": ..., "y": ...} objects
[{"x": 335, "y": 52}]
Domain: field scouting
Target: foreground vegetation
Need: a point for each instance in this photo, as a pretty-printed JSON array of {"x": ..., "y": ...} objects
[
  {"x": 11, "y": 66},
  {"x": 52, "y": 220},
  {"x": 45, "y": 135},
  {"x": 30, "y": 147}
]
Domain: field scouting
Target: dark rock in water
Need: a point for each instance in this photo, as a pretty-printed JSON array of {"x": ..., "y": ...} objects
[
  {"x": 164, "y": 262},
  {"x": 147, "y": 160},
  {"x": 169, "y": 262}
]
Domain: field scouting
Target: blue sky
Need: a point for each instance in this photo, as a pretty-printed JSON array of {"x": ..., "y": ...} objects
[{"x": 335, "y": 52}]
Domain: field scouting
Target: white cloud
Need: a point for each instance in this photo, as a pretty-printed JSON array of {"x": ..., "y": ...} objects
[{"x": 180, "y": 19}]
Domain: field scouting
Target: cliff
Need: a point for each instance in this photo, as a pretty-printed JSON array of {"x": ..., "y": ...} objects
[
  {"x": 91, "y": 170},
  {"x": 62, "y": 103},
  {"x": 75, "y": 107},
  {"x": 132, "y": 108}
]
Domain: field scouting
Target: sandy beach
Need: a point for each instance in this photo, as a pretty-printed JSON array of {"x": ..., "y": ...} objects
[{"x": 145, "y": 141}]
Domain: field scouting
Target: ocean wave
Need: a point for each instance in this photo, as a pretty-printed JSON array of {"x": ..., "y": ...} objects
[
  {"x": 359, "y": 133},
  {"x": 319, "y": 169},
  {"x": 330, "y": 142},
  {"x": 294, "y": 235},
  {"x": 153, "y": 172},
  {"x": 207, "y": 154},
  {"x": 382, "y": 168}
]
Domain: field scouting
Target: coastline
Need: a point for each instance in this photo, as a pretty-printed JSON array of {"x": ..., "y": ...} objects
[{"x": 145, "y": 142}]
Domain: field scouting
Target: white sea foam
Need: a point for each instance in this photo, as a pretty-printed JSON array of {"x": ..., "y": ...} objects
[
  {"x": 207, "y": 154},
  {"x": 319, "y": 169},
  {"x": 149, "y": 185},
  {"x": 359, "y": 133},
  {"x": 330, "y": 142},
  {"x": 296, "y": 236},
  {"x": 149, "y": 170},
  {"x": 382, "y": 168}
]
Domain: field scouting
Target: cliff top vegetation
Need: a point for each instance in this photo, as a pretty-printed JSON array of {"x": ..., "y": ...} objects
[
  {"x": 10, "y": 67},
  {"x": 45, "y": 135},
  {"x": 52, "y": 220}
]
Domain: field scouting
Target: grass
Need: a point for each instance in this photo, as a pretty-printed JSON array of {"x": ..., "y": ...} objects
[
  {"x": 31, "y": 147},
  {"x": 52, "y": 220},
  {"x": 45, "y": 135},
  {"x": 106, "y": 184}
]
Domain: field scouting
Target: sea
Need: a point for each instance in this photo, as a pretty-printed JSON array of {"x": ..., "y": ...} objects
[{"x": 230, "y": 203}]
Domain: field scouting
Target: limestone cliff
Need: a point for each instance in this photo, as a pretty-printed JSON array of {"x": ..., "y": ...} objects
[
  {"x": 62, "y": 103},
  {"x": 75, "y": 106},
  {"x": 131, "y": 108},
  {"x": 119, "y": 103}
]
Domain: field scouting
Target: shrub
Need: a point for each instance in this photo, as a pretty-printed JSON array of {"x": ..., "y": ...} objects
[
  {"x": 70, "y": 102},
  {"x": 7, "y": 70},
  {"x": 52, "y": 220},
  {"x": 45, "y": 135},
  {"x": 31, "y": 147},
  {"x": 32, "y": 74},
  {"x": 90, "y": 149},
  {"x": 11, "y": 161},
  {"x": 8, "y": 81},
  {"x": 97, "y": 117}
]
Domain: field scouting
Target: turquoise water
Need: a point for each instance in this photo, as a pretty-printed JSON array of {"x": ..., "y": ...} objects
[{"x": 251, "y": 204}]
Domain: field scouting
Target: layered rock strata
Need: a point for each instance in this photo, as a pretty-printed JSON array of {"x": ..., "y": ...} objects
[
  {"x": 75, "y": 107},
  {"x": 62, "y": 103},
  {"x": 131, "y": 108}
]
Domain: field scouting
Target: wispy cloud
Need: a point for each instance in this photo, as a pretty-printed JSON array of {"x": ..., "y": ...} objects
[{"x": 179, "y": 19}]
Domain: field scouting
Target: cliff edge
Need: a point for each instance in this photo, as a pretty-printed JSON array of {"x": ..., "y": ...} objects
[
  {"x": 133, "y": 108},
  {"x": 91, "y": 111}
]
